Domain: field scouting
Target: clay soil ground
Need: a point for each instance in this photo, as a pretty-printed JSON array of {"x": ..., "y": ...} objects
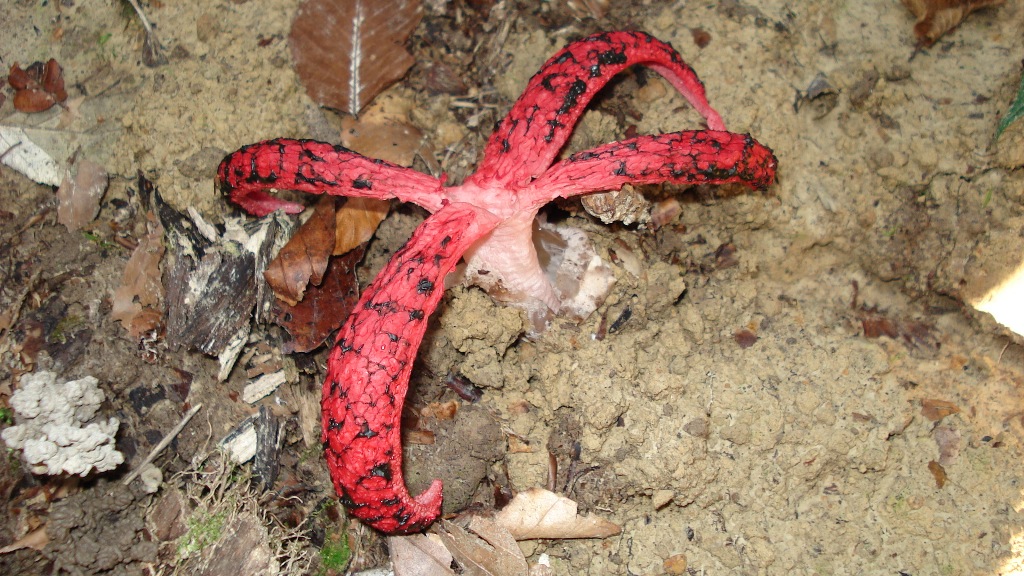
[{"x": 768, "y": 403}]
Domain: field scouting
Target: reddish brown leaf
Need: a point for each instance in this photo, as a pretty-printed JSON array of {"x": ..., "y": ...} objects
[
  {"x": 936, "y": 17},
  {"x": 324, "y": 307},
  {"x": 304, "y": 258},
  {"x": 347, "y": 51}
]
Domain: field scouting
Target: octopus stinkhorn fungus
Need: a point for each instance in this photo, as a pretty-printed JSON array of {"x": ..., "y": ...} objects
[{"x": 488, "y": 221}]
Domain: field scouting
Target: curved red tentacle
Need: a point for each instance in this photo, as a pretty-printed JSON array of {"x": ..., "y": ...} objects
[
  {"x": 369, "y": 367},
  {"x": 249, "y": 173},
  {"x": 541, "y": 120},
  {"x": 689, "y": 157}
]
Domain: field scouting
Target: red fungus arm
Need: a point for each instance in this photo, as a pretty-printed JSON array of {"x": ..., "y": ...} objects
[
  {"x": 540, "y": 122},
  {"x": 317, "y": 167},
  {"x": 369, "y": 367},
  {"x": 691, "y": 157}
]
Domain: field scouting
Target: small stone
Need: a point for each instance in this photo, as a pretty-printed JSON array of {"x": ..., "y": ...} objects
[
  {"x": 661, "y": 498},
  {"x": 675, "y": 564}
]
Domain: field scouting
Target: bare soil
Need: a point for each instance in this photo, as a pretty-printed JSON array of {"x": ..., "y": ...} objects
[{"x": 762, "y": 405}]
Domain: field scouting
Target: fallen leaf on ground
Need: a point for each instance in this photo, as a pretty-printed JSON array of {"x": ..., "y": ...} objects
[
  {"x": 936, "y": 17},
  {"x": 419, "y": 555},
  {"x": 36, "y": 540},
  {"x": 938, "y": 472},
  {"x": 324, "y": 307},
  {"x": 347, "y": 51},
  {"x": 303, "y": 260},
  {"x": 136, "y": 302},
  {"x": 486, "y": 548},
  {"x": 356, "y": 221},
  {"x": 383, "y": 131},
  {"x": 79, "y": 195},
  {"x": 538, "y": 513},
  {"x": 936, "y": 410}
]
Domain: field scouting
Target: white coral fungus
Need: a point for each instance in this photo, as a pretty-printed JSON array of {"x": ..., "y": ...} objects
[{"x": 54, "y": 427}]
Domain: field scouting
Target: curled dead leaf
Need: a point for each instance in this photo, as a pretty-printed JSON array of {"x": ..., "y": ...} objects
[
  {"x": 323, "y": 308},
  {"x": 303, "y": 259},
  {"x": 936, "y": 17},
  {"x": 538, "y": 513}
]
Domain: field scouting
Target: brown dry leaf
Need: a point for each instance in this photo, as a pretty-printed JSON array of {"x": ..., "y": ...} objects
[
  {"x": 936, "y": 410},
  {"x": 136, "y": 302},
  {"x": 419, "y": 555},
  {"x": 938, "y": 472},
  {"x": 492, "y": 551},
  {"x": 304, "y": 258},
  {"x": 383, "y": 131},
  {"x": 324, "y": 307},
  {"x": 356, "y": 221},
  {"x": 78, "y": 198},
  {"x": 538, "y": 513},
  {"x": 347, "y": 51},
  {"x": 936, "y": 17},
  {"x": 36, "y": 540}
]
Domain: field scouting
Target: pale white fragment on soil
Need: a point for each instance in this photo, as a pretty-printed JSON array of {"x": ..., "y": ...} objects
[
  {"x": 23, "y": 155},
  {"x": 263, "y": 386},
  {"x": 55, "y": 427},
  {"x": 538, "y": 513}
]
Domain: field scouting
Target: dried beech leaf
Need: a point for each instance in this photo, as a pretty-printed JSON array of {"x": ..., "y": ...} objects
[
  {"x": 78, "y": 198},
  {"x": 304, "y": 258},
  {"x": 356, "y": 221},
  {"x": 136, "y": 301},
  {"x": 936, "y": 17},
  {"x": 324, "y": 307},
  {"x": 347, "y": 51},
  {"x": 538, "y": 513},
  {"x": 419, "y": 555},
  {"x": 491, "y": 551},
  {"x": 936, "y": 410}
]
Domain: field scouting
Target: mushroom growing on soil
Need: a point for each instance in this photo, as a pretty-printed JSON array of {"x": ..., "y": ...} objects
[{"x": 488, "y": 221}]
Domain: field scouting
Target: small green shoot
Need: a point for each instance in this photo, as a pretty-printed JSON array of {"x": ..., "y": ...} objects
[
  {"x": 6, "y": 415},
  {"x": 988, "y": 198},
  {"x": 1016, "y": 110},
  {"x": 104, "y": 38}
]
